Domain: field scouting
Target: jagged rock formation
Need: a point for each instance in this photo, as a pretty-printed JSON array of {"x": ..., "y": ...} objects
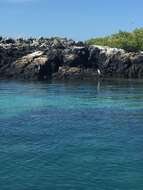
[{"x": 43, "y": 59}]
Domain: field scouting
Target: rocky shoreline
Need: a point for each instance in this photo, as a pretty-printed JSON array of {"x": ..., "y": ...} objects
[{"x": 60, "y": 58}]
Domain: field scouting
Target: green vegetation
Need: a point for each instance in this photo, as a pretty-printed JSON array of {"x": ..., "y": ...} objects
[{"x": 129, "y": 41}]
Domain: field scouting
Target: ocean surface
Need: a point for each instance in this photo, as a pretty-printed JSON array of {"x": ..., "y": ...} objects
[{"x": 71, "y": 136}]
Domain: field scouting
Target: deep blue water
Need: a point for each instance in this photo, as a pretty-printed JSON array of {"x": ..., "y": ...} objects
[{"x": 71, "y": 136}]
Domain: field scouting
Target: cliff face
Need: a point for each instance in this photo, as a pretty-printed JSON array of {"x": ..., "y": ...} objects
[{"x": 43, "y": 59}]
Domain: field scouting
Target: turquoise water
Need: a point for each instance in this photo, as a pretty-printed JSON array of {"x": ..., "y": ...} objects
[{"x": 71, "y": 136}]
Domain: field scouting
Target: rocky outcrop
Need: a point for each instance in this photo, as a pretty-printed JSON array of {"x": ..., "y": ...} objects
[
  {"x": 31, "y": 66},
  {"x": 59, "y": 58}
]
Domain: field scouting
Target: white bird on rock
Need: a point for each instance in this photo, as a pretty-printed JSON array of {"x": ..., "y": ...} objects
[{"x": 99, "y": 72}]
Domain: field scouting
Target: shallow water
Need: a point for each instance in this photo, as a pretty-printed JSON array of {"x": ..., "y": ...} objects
[{"x": 71, "y": 136}]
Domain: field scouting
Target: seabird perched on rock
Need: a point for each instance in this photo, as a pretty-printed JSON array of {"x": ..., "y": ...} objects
[{"x": 99, "y": 72}]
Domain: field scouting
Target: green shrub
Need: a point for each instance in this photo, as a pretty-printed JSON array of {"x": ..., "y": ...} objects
[{"x": 130, "y": 41}]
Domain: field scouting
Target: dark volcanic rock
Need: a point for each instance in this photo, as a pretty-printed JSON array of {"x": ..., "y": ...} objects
[
  {"x": 72, "y": 73},
  {"x": 43, "y": 58},
  {"x": 32, "y": 66},
  {"x": 76, "y": 56}
]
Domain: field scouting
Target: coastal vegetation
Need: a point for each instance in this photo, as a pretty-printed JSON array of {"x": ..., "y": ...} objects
[{"x": 129, "y": 41}]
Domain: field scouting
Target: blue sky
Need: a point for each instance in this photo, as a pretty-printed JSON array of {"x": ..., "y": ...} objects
[{"x": 77, "y": 19}]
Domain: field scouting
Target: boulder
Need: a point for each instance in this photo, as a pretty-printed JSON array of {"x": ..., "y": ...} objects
[
  {"x": 72, "y": 73},
  {"x": 67, "y": 72},
  {"x": 32, "y": 66},
  {"x": 76, "y": 56}
]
